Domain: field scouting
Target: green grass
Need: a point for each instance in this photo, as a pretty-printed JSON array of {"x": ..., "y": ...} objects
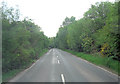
[
  {"x": 10, "y": 74},
  {"x": 7, "y": 76},
  {"x": 105, "y": 62}
]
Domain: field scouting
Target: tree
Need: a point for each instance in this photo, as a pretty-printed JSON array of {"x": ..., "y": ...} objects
[
  {"x": 22, "y": 41},
  {"x": 96, "y": 31},
  {"x": 68, "y": 21}
]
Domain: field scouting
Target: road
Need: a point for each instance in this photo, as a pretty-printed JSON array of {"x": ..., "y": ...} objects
[{"x": 59, "y": 66}]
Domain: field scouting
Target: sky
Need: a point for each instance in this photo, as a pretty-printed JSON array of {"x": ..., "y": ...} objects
[{"x": 49, "y": 14}]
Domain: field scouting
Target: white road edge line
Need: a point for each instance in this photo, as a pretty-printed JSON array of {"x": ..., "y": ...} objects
[
  {"x": 36, "y": 61},
  {"x": 58, "y": 62},
  {"x": 63, "y": 79},
  {"x": 99, "y": 67},
  {"x": 32, "y": 65}
]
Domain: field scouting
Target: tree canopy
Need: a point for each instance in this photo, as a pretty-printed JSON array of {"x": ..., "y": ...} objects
[
  {"x": 22, "y": 41},
  {"x": 97, "y": 31}
]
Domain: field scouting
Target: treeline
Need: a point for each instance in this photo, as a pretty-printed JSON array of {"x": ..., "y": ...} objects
[
  {"x": 22, "y": 41},
  {"x": 97, "y": 31}
]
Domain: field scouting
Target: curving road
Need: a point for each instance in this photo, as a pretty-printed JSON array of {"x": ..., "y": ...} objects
[{"x": 59, "y": 66}]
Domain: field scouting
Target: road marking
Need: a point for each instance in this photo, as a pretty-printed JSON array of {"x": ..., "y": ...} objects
[
  {"x": 98, "y": 66},
  {"x": 58, "y": 62},
  {"x": 57, "y": 56},
  {"x": 32, "y": 65},
  {"x": 37, "y": 61},
  {"x": 63, "y": 79}
]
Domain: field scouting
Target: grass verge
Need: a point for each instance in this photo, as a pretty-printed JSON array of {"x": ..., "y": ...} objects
[
  {"x": 105, "y": 62},
  {"x": 7, "y": 76}
]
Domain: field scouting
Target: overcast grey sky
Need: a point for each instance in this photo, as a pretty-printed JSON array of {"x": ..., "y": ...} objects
[{"x": 49, "y": 14}]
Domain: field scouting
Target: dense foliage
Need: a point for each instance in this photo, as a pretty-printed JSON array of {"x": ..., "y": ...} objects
[
  {"x": 97, "y": 31},
  {"x": 22, "y": 41}
]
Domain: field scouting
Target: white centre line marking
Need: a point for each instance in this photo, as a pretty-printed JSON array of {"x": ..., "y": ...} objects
[
  {"x": 63, "y": 79},
  {"x": 57, "y": 56},
  {"x": 58, "y": 62}
]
